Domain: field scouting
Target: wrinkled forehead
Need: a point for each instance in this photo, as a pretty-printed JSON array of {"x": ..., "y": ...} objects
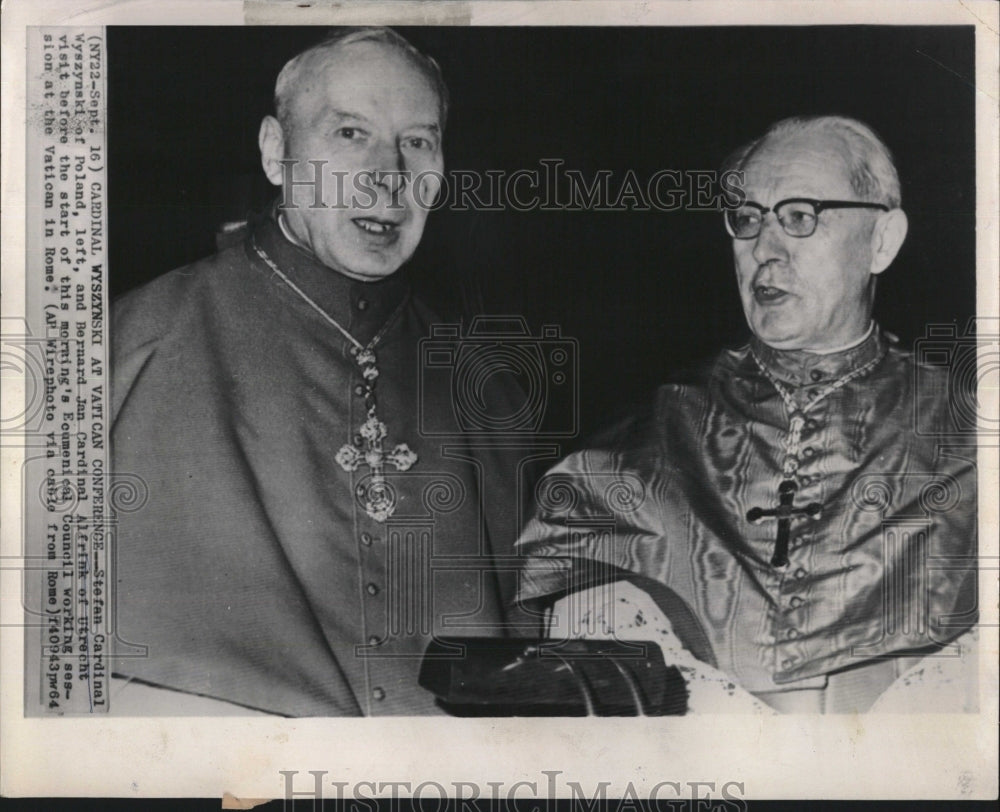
[
  {"x": 807, "y": 164},
  {"x": 364, "y": 76}
]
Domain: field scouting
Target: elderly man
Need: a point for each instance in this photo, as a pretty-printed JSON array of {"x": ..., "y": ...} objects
[
  {"x": 776, "y": 522},
  {"x": 267, "y": 397}
]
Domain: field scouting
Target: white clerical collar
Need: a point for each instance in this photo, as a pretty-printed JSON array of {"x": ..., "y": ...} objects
[
  {"x": 851, "y": 345},
  {"x": 288, "y": 233}
]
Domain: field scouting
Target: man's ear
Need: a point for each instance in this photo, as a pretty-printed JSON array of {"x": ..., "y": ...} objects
[
  {"x": 271, "y": 140},
  {"x": 887, "y": 238}
]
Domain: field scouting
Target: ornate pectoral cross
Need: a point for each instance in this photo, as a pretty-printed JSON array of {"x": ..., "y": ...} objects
[
  {"x": 784, "y": 513},
  {"x": 377, "y": 496}
]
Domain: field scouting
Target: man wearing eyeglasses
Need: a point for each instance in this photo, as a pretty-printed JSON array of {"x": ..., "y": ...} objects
[
  {"x": 806, "y": 267},
  {"x": 777, "y": 524}
]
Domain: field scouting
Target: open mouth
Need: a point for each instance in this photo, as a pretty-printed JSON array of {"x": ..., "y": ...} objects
[
  {"x": 376, "y": 227},
  {"x": 766, "y": 294}
]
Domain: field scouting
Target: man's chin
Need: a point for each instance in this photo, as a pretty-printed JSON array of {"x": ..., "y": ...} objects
[
  {"x": 373, "y": 275},
  {"x": 366, "y": 269},
  {"x": 780, "y": 337}
]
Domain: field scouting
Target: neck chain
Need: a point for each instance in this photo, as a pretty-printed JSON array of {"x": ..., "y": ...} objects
[
  {"x": 786, "y": 510},
  {"x": 797, "y": 414},
  {"x": 376, "y": 495}
]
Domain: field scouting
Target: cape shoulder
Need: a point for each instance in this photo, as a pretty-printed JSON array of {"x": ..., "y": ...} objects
[{"x": 146, "y": 318}]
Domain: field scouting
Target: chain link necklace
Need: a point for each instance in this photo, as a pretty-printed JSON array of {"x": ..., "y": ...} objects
[
  {"x": 376, "y": 495},
  {"x": 785, "y": 509}
]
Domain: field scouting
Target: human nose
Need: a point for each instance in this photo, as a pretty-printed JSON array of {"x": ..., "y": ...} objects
[
  {"x": 770, "y": 242},
  {"x": 389, "y": 167}
]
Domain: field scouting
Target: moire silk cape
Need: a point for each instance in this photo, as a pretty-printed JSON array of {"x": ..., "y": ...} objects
[{"x": 887, "y": 567}]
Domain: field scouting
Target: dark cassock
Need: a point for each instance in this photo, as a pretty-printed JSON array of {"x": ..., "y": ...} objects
[
  {"x": 793, "y": 520},
  {"x": 300, "y": 542}
]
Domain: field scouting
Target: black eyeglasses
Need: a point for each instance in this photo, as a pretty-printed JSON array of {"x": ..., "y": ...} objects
[{"x": 797, "y": 215}]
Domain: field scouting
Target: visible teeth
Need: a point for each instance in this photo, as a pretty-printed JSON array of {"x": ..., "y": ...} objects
[{"x": 373, "y": 227}]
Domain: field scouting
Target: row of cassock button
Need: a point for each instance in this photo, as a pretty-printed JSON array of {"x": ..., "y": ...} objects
[
  {"x": 366, "y": 538},
  {"x": 795, "y": 602},
  {"x": 791, "y": 465},
  {"x": 372, "y": 589},
  {"x": 359, "y": 389}
]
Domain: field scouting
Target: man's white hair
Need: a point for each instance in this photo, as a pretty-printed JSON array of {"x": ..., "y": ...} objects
[
  {"x": 873, "y": 175},
  {"x": 291, "y": 73}
]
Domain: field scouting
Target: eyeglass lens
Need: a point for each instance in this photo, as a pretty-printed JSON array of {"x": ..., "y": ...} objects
[{"x": 797, "y": 218}]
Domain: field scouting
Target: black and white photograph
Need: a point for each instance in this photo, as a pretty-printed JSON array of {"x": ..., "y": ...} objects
[{"x": 392, "y": 379}]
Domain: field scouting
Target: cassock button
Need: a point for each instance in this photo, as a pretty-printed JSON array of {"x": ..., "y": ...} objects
[
  {"x": 808, "y": 452},
  {"x": 362, "y": 304},
  {"x": 796, "y": 602},
  {"x": 816, "y": 375},
  {"x": 791, "y": 634},
  {"x": 359, "y": 389},
  {"x": 372, "y": 589},
  {"x": 366, "y": 539},
  {"x": 800, "y": 573},
  {"x": 378, "y": 693}
]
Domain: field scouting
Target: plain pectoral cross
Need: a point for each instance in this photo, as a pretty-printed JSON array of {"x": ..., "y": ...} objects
[{"x": 784, "y": 513}]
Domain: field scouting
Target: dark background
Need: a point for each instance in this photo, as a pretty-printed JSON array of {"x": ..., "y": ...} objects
[{"x": 645, "y": 293}]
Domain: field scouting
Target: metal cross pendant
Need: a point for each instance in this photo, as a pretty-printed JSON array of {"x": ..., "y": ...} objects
[
  {"x": 784, "y": 513},
  {"x": 377, "y": 495}
]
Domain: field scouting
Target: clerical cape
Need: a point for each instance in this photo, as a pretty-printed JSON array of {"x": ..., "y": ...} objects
[
  {"x": 667, "y": 498},
  {"x": 246, "y": 566}
]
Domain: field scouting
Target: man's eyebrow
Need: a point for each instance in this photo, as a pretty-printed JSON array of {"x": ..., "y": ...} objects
[{"x": 341, "y": 114}]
